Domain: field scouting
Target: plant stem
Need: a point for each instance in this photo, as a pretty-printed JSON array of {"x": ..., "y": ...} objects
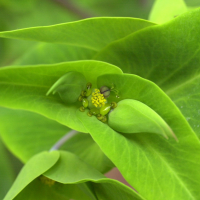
[{"x": 66, "y": 137}]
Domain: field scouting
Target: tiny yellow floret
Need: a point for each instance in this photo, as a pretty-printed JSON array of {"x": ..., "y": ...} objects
[
  {"x": 98, "y": 99},
  {"x": 47, "y": 181}
]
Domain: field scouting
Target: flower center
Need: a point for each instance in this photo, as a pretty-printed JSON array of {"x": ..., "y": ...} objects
[{"x": 98, "y": 99}]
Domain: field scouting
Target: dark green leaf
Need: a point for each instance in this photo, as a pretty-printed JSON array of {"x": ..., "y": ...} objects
[
  {"x": 6, "y": 172},
  {"x": 38, "y": 190},
  {"x": 34, "y": 168}
]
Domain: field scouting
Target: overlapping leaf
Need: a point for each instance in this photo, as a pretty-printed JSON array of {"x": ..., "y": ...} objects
[
  {"x": 39, "y": 164},
  {"x": 79, "y": 183},
  {"x": 168, "y": 55},
  {"x": 151, "y": 160},
  {"x": 37, "y": 134}
]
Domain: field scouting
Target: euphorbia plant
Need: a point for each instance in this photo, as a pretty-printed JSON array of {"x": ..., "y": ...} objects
[{"x": 136, "y": 82}]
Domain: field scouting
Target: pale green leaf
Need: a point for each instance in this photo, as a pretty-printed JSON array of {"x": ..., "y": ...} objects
[{"x": 166, "y": 10}]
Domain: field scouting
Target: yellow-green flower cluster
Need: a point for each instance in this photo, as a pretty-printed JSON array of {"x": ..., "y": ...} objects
[{"x": 98, "y": 99}]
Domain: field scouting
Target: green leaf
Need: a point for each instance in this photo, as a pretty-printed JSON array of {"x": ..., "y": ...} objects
[
  {"x": 75, "y": 171},
  {"x": 170, "y": 170},
  {"x": 37, "y": 134},
  {"x": 46, "y": 53},
  {"x": 93, "y": 33},
  {"x": 78, "y": 171},
  {"x": 36, "y": 166},
  {"x": 25, "y": 88},
  {"x": 166, "y": 10},
  {"x": 168, "y": 55},
  {"x": 132, "y": 116}
]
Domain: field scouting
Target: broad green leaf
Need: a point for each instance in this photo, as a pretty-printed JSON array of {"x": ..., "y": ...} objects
[
  {"x": 36, "y": 166},
  {"x": 6, "y": 172},
  {"x": 132, "y": 116},
  {"x": 26, "y": 87},
  {"x": 93, "y": 33},
  {"x": 37, "y": 134},
  {"x": 76, "y": 171},
  {"x": 46, "y": 53},
  {"x": 166, "y": 10},
  {"x": 157, "y": 168},
  {"x": 168, "y": 55}
]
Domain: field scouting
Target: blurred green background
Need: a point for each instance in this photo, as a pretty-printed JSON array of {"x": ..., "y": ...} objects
[{"x": 16, "y": 14}]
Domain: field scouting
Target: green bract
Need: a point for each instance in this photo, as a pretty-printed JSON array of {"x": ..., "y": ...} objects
[
  {"x": 132, "y": 116},
  {"x": 69, "y": 86}
]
